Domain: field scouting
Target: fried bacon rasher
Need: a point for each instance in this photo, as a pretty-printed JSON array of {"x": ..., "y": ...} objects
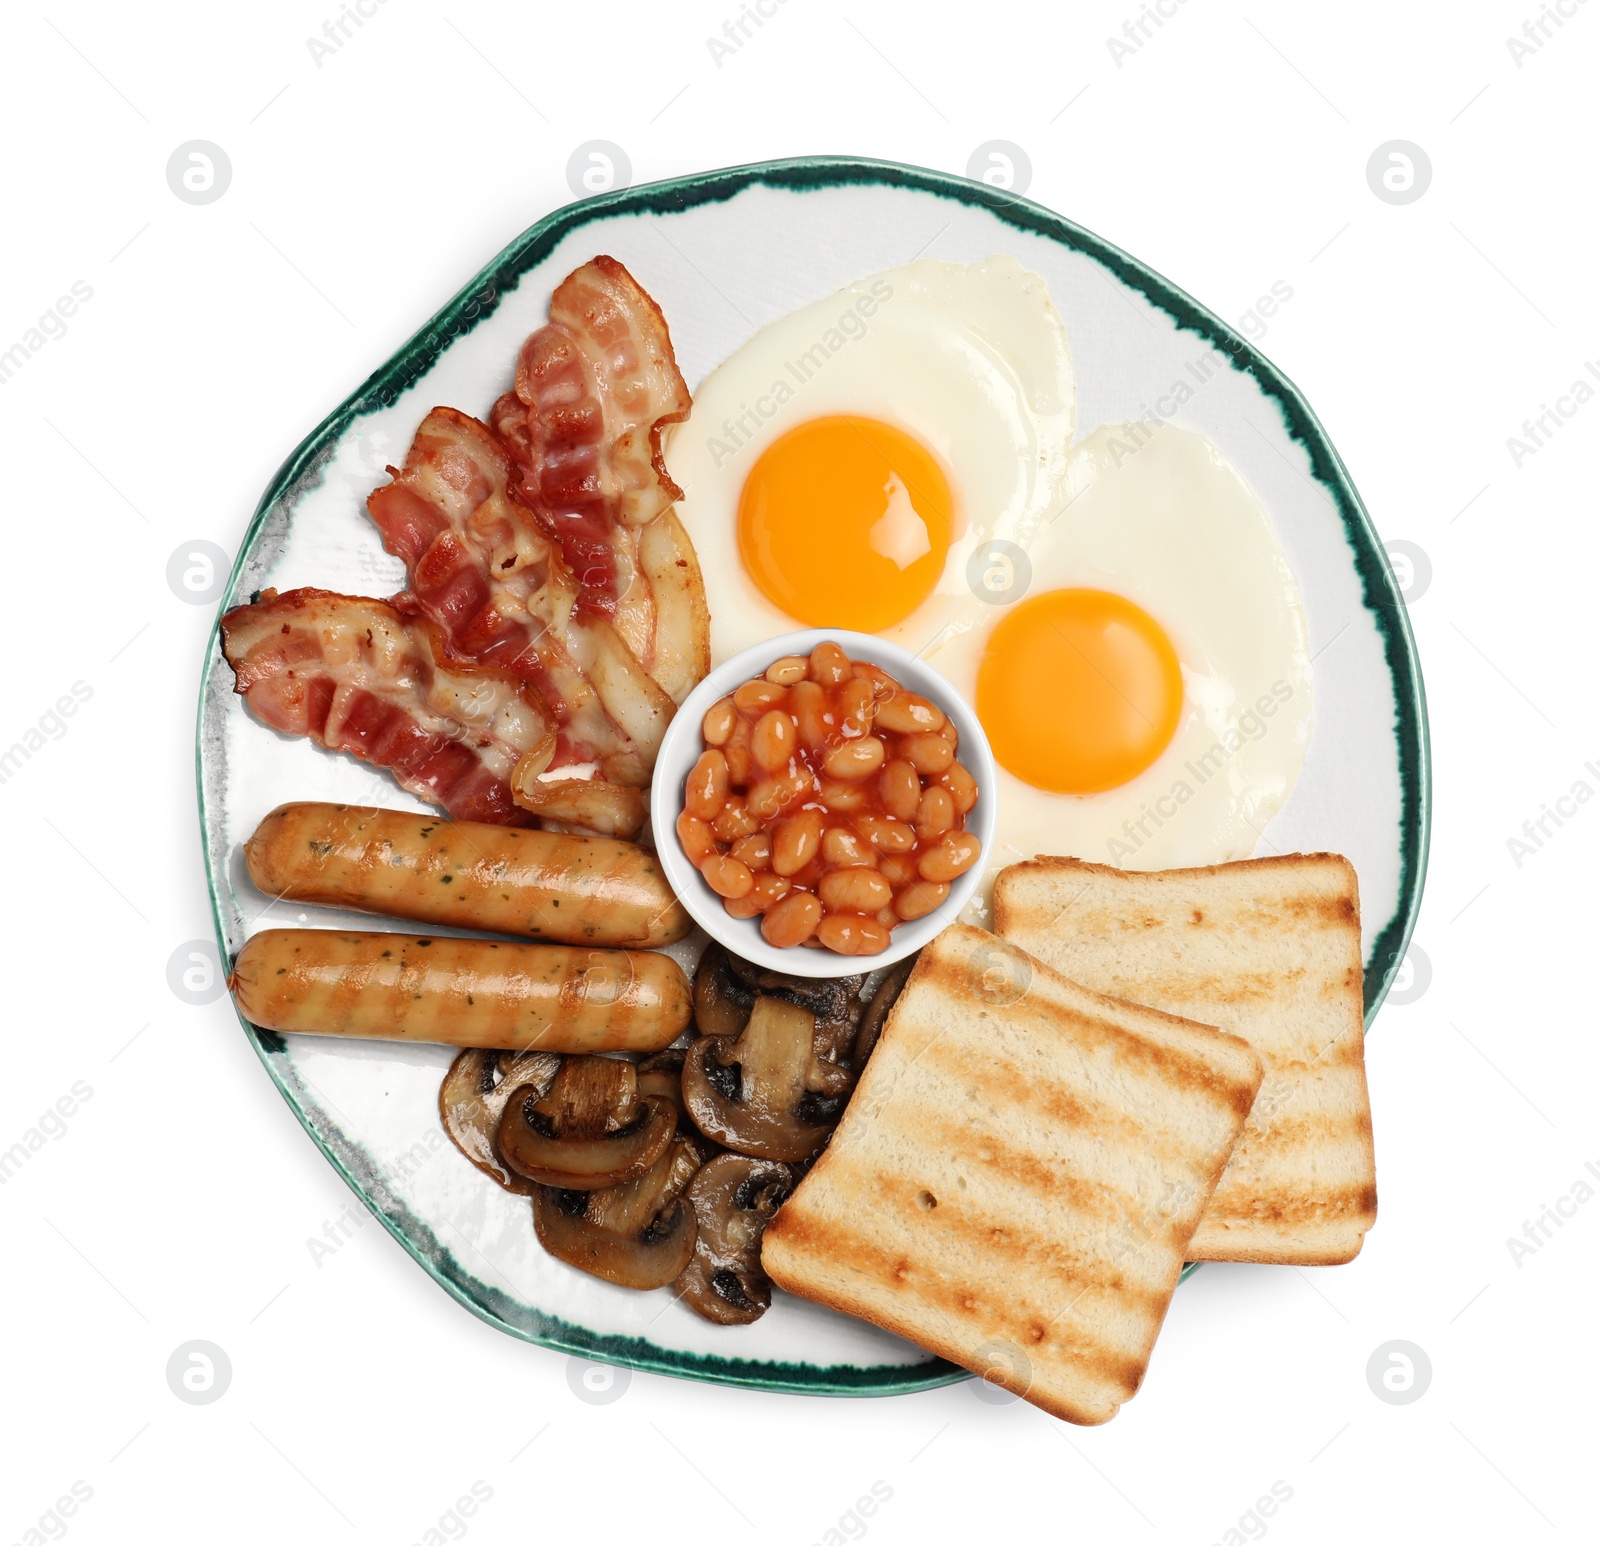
[
  {"x": 493, "y": 582},
  {"x": 555, "y": 613},
  {"x": 360, "y": 676},
  {"x": 594, "y": 388},
  {"x": 549, "y": 548}
]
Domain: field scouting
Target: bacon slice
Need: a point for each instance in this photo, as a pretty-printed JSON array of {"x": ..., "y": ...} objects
[
  {"x": 587, "y": 804},
  {"x": 679, "y": 653},
  {"x": 485, "y": 574},
  {"x": 363, "y": 677},
  {"x": 594, "y": 388},
  {"x": 546, "y": 546}
]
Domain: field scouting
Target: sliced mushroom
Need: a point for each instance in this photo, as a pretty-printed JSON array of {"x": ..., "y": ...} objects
[
  {"x": 889, "y": 990},
  {"x": 836, "y": 1004},
  {"x": 726, "y": 987},
  {"x": 834, "y": 1067},
  {"x": 733, "y": 1197},
  {"x": 661, "y": 1076},
  {"x": 473, "y": 1098},
  {"x": 590, "y": 1129},
  {"x": 639, "y": 1234},
  {"x": 762, "y": 1092},
  {"x": 826, "y": 997},
  {"x": 722, "y": 1002}
]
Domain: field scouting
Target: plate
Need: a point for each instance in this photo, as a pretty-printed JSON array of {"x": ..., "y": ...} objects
[{"x": 725, "y": 253}]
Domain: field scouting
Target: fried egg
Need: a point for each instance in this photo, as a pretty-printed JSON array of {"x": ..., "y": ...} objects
[
  {"x": 1145, "y": 682},
  {"x": 848, "y": 460}
]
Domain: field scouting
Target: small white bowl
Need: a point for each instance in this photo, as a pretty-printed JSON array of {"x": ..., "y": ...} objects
[{"x": 681, "y": 749}]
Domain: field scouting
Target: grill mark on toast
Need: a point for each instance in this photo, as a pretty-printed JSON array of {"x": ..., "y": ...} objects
[
  {"x": 1343, "y": 1052},
  {"x": 1321, "y": 1132},
  {"x": 1159, "y": 1061},
  {"x": 1186, "y": 995},
  {"x": 1322, "y": 919},
  {"x": 982, "y": 1310},
  {"x": 1300, "y": 953},
  {"x": 1329, "y": 1204},
  {"x": 1020, "y": 1245},
  {"x": 1099, "y": 1211},
  {"x": 1003, "y": 1084},
  {"x": 1077, "y": 1274}
]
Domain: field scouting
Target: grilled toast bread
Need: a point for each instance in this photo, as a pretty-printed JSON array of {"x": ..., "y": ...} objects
[
  {"x": 1014, "y": 1183},
  {"x": 1269, "y": 949}
]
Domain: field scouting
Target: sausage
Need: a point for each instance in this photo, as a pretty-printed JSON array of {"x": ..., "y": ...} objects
[
  {"x": 462, "y": 992},
  {"x": 509, "y": 880}
]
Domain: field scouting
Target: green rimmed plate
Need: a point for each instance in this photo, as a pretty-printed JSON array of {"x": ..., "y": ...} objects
[{"x": 724, "y": 253}]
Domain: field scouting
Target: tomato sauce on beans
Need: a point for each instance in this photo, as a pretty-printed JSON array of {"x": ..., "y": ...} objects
[{"x": 829, "y": 802}]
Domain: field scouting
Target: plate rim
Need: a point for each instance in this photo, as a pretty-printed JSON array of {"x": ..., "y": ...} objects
[{"x": 478, "y": 299}]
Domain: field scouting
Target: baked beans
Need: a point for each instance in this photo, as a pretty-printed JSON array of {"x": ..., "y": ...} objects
[
  {"x": 718, "y": 724},
  {"x": 829, "y": 803}
]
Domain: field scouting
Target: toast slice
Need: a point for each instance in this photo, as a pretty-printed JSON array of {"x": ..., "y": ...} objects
[
  {"x": 1269, "y": 949},
  {"x": 1016, "y": 1179}
]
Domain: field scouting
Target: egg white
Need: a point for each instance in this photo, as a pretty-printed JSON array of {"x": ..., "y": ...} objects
[
  {"x": 971, "y": 360},
  {"x": 1156, "y": 514}
]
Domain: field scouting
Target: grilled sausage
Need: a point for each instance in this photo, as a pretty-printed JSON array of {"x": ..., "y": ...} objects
[
  {"x": 544, "y": 885},
  {"x": 462, "y": 992}
]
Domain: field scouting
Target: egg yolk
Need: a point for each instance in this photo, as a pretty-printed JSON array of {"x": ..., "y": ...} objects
[
  {"x": 1078, "y": 690},
  {"x": 845, "y": 522}
]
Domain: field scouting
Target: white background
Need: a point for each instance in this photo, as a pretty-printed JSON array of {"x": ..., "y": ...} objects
[{"x": 1229, "y": 151}]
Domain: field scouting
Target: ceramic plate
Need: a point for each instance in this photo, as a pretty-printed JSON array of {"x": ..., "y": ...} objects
[{"x": 724, "y": 254}]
